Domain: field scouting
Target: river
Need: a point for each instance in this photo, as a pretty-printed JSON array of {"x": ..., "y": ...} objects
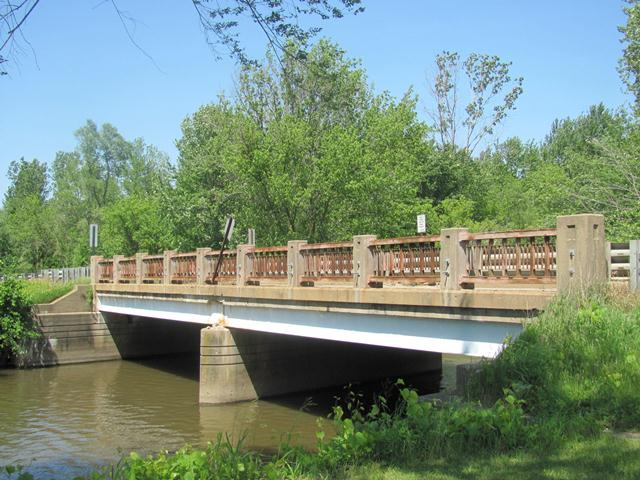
[{"x": 64, "y": 421}]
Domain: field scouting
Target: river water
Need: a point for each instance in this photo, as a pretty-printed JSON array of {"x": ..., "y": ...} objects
[{"x": 64, "y": 421}]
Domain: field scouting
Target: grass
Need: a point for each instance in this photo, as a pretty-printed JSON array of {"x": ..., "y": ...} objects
[
  {"x": 604, "y": 457},
  {"x": 45, "y": 291}
]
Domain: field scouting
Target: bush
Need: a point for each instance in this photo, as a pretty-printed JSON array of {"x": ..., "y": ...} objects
[
  {"x": 580, "y": 359},
  {"x": 16, "y": 324}
]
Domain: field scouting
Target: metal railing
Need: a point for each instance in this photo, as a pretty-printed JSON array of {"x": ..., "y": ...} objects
[
  {"x": 522, "y": 256},
  {"x": 327, "y": 262},
  {"x": 410, "y": 260}
]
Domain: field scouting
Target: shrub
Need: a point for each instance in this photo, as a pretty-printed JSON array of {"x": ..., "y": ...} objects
[{"x": 16, "y": 324}]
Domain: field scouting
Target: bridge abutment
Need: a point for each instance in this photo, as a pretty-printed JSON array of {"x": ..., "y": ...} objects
[{"x": 238, "y": 365}]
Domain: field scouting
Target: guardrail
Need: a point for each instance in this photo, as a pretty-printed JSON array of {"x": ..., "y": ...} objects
[
  {"x": 618, "y": 260},
  {"x": 56, "y": 274},
  {"x": 523, "y": 256},
  {"x": 573, "y": 253}
]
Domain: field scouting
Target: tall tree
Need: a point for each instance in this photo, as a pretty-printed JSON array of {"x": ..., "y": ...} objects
[
  {"x": 629, "y": 64},
  {"x": 466, "y": 118}
]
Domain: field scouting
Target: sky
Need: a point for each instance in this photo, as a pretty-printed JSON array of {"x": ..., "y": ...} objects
[{"x": 80, "y": 64}]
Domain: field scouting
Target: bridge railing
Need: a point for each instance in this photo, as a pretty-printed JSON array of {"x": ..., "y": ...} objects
[
  {"x": 326, "y": 263},
  {"x": 267, "y": 265},
  {"x": 153, "y": 269},
  {"x": 515, "y": 257},
  {"x": 227, "y": 271},
  {"x": 574, "y": 253},
  {"x": 407, "y": 260}
]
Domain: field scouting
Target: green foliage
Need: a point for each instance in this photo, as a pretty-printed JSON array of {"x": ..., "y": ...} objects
[
  {"x": 15, "y": 317},
  {"x": 629, "y": 64},
  {"x": 45, "y": 291},
  {"x": 579, "y": 361}
]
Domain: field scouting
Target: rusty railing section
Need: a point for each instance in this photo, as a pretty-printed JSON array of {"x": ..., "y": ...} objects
[
  {"x": 227, "y": 272},
  {"x": 153, "y": 269},
  {"x": 268, "y": 263},
  {"x": 183, "y": 268},
  {"x": 522, "y": 256},
  {"x": 331, "y": 262},
  {"x": 105, "y": 271},
  {"x": 412, "y": 260},
  {"x": 127, "y": 270}
]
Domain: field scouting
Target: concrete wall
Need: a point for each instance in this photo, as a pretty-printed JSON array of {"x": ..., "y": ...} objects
[
  {"x": 71, "y": 333},
  {"x": 237, "y": 365}
]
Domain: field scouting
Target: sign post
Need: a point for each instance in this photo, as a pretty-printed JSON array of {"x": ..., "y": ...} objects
[{"x": 228, "y": 231}]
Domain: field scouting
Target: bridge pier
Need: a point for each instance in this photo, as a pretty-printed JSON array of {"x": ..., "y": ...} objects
[{"x": 238, "y": 365}]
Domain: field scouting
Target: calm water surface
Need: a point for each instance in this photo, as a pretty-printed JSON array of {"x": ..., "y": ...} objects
[{"x": 65, "y": 421}]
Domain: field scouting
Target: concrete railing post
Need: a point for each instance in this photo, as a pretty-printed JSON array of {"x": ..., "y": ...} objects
[
  {"x": 139, "y": 265},
  {"x": 295, "y": 265},
  {"x": 453, "y": 258},
  {"x": 242, "y": 263},
  {"x": 201, "y": 274},
  {"x": 634, "y": 265},
  {"x": 94, "y": 269},
  {"x": 581, "y": 251},
  {"x": 116, "y": 268},
  {"x": 362, "y": 260},
  {"x": 166, "y": 266}
]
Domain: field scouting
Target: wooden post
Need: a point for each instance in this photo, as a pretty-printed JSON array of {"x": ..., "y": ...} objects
[
  {"x": 166, "y": 267},
  {"x": 581, "y": 255},
  {"x": 362, "y": 260},
  {"x": 295, "y": 265},
  {"x": 453, "y": 258}
]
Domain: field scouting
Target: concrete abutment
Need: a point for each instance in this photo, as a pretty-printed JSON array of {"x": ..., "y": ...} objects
[{"x": 238, "y": 365}]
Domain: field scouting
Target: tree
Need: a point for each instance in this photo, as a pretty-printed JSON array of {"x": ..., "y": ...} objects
[
  {"x": 492, "y": 94},
  {"x": 221, "y": 21},
  {"x": 306, "y": 150},
  {"x": 26, "y": 210},
  {"x": 629, "y": 64}
]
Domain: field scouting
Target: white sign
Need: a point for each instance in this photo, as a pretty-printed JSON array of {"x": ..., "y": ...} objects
[
  {"x": 93, "y": 235},
  {"x": 422, "y": 223},
  {"x": 228, "y": 229}
]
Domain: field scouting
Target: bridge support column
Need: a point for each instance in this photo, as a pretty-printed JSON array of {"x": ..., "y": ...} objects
[
  {"x": 238, "y": 365},
  {"x": 581, "y": 255}
]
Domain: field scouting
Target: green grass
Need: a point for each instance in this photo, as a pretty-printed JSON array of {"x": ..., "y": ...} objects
[
  {"x": 45, "y": 291},
  {"x": 605, "y": 457}
]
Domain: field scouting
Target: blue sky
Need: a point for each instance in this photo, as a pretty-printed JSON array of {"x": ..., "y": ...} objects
[{"x": 85, "y": 67}]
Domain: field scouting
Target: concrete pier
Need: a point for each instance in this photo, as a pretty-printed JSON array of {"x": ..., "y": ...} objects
[{"x": 237, "y": 365}]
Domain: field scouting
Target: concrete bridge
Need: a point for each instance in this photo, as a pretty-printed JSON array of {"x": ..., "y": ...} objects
[{"x": 302, "y": 316}]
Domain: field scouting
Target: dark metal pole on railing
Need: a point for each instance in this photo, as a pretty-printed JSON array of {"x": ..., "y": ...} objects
[{"x": 228, "y": 231}]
